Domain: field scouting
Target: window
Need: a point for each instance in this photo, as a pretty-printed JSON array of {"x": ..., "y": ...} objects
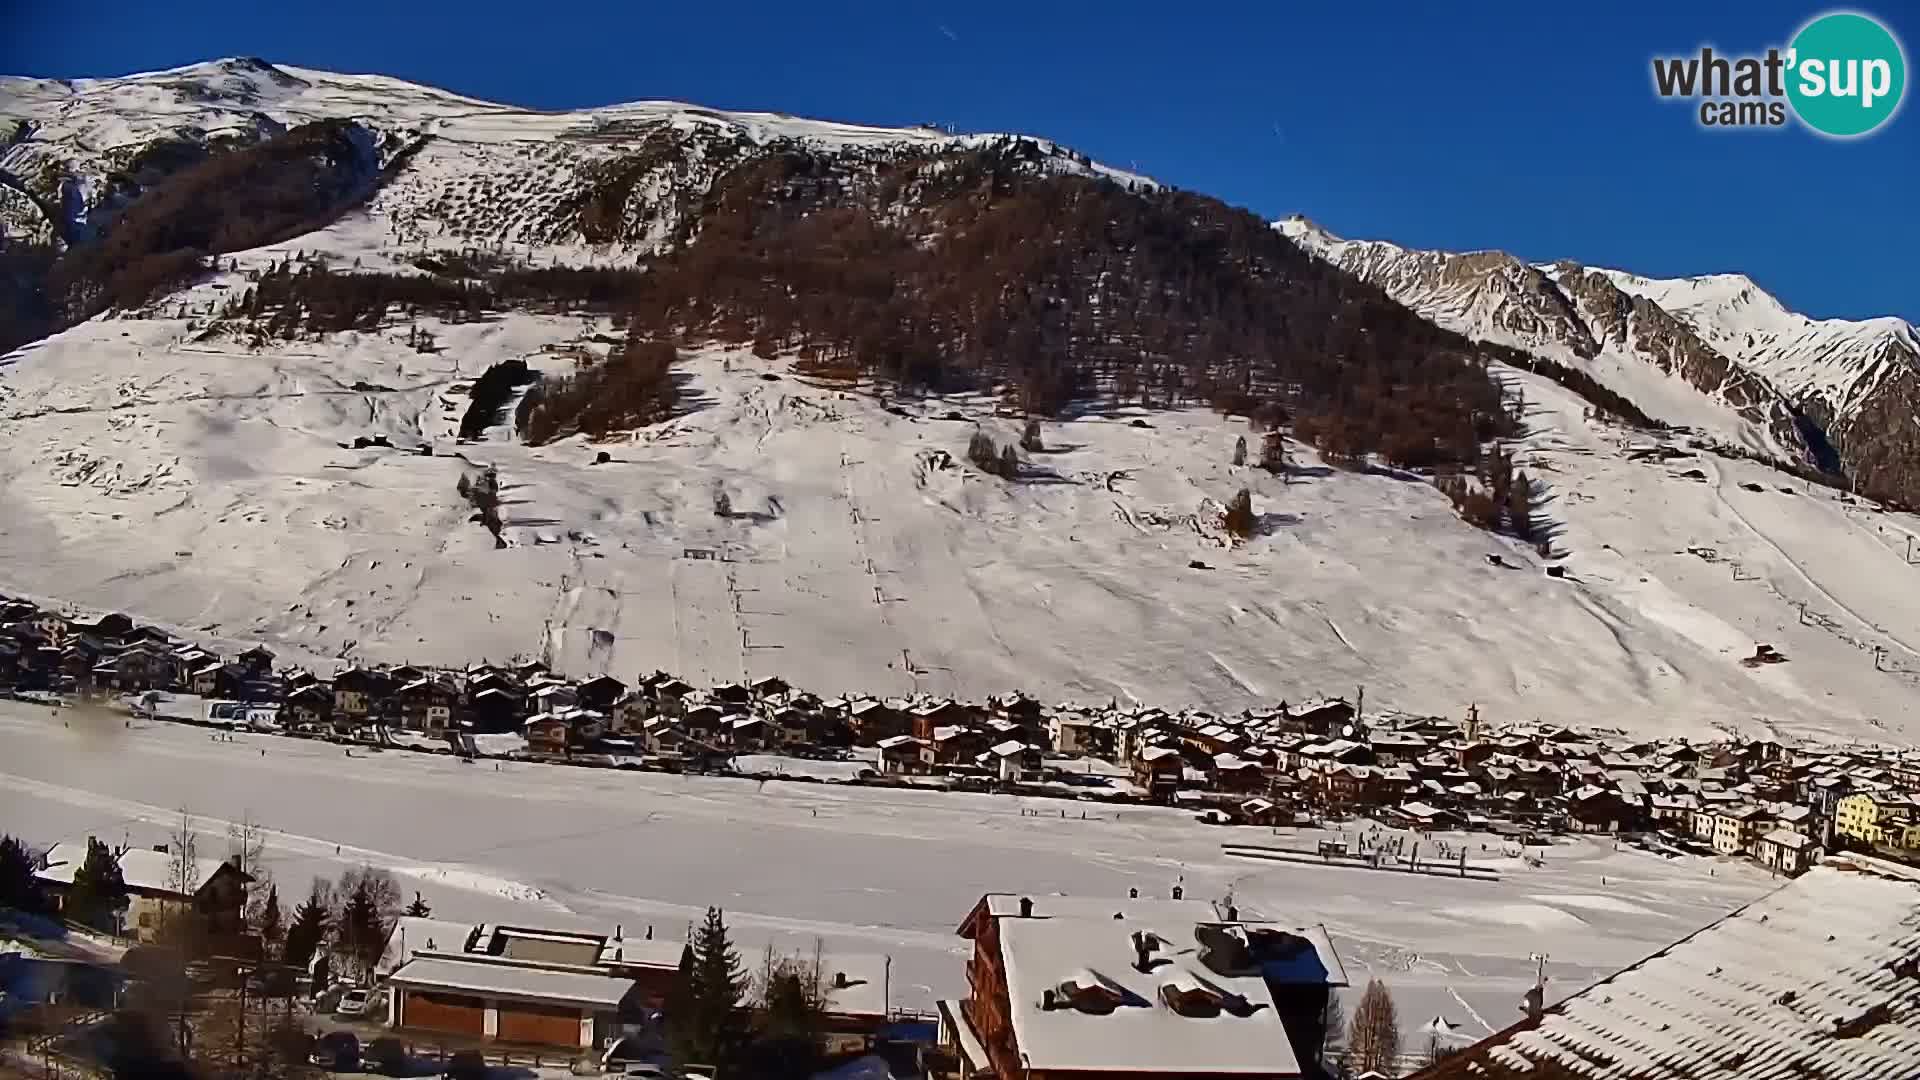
[{"x": 146, "y": 920}]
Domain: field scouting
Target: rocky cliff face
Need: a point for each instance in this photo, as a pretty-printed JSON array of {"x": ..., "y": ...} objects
[{"x": 1834, "y": 393}]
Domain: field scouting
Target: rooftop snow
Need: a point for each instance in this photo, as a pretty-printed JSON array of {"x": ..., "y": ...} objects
[
  {"x": 1815, "y": 981},
  {"x": 140, "y": 868},
  {"x": 486, "y": 975},
  {"x": 1142, "y": 1033}
]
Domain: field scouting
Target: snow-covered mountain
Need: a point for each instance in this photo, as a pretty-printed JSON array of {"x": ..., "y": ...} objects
[
  {"x": 1858, "y": 379},
  {"x": 486, "y": 173},
  {"x": 176, "y": 461},
  {"x": 1714, "y": 352}
]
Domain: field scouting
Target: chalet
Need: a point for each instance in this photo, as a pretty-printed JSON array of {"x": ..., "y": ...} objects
[
  {"x": 629, "y": 711},
  {"x": 1157, "y": 770},
  {"x": 874, "y": 720},
  {"x": 258, "y": 661},
  {"x": 493, "y": 709},
  {"x": 145, "y": 666},
  {"x": 600, "y": 693},
  {"x": 1013, "y": 760},
  {"x": 1395, "y": 747},
  {"x": 770, "y": 688},
  {"x": 550, "y": 695},
  {"x": 1020, "y": 709},
  {"x": 217, "y": 680},
  {"x": 703, "y": 722},
  {"x": 430, "y": 705},
  {"x": 669, "y": 694},
  {"x": 732, "y": 693},
  {"x": 358, "y": 693},
  {"x": 308, "y": 708},
  {"x": 213, "y": 890},
  {"x": 1231, "y": 772},
  {"x": 790, "y": 726},
  {"x": 1322, "y": 716},
  {"x": 1595, "y": 809},
  {"x": 904, "y": 754},
  {"x": 1069, "y": 988},
  {"x": 547, "y": 733},
  {"x": 659, "y": 735},
  {"x": 926, "y": 716},
  {"x": 527, "y": 670},
  {"x": 956, "y": 745},
  {"x": 1352, "y": 785},
  {"x": 748, "y": 733}
]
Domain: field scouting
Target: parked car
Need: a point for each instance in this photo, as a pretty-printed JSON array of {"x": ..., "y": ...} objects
[
  {"x": 352, "y": 1003},
  {"x": 337, "y": 1051}
]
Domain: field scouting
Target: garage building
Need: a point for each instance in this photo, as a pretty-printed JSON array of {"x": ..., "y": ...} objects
[{"x": 517, "y": 1001}]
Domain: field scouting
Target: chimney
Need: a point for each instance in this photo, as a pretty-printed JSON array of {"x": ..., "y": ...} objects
[
  {"x": 1233, "y": 913},
  {"x": 1179, "y": 892},
  {"x": 1049, "y": 1000},
  {"x": 649, "y": 931},
  {"x": 1142, "y": 954},
  {"x": 1133, "y": 893},
  {"x": 616, "y": 931},
  {"x": 839, "y": 980},
  {"x": 1026, "y": 907}
]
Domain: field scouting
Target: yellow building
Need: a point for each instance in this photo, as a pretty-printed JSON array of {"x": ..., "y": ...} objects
[{"x": 1872, "y": 819}]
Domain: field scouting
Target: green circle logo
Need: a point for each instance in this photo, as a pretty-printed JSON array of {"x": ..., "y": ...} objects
[{"x": 1846, "y": 74}]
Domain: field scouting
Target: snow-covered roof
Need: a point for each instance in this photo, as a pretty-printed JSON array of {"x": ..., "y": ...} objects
[
  {"x": 642, "y": 952},
  {"x": 140, "y": 868},
  {"x": 413, "y": 934},
  {"x": 1814, "y": 981},
  {"x": 489, "y": 975},
  {"x": 1143, "y": 1032}
]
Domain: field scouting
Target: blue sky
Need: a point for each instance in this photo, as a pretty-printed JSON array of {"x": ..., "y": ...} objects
[{"x": 1521, "y": 126}]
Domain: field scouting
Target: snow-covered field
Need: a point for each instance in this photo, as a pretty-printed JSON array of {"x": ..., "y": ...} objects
[
  {"x": 205, "y": 486},
  {"x": 863, "y": 870}
]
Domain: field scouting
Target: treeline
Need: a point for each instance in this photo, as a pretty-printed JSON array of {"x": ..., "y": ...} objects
[
  {"x": 292, "y": 183},
  {"x": 294, "y": 297},
  {"x": 487, "y": 400},
  {"x": 634, "y": 387},
  {"x": 968, "y": 269},
  {"x": 1497, "y": 498}
]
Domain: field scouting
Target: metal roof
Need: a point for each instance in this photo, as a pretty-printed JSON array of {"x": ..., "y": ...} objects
[{"x": 1818, "y": 980}]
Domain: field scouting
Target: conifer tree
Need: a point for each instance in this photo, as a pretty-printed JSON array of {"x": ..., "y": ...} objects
[
  {"x": 419, "y": 909},
  {"x": 715, "y": 1026},
  {"x": 18, "y": 889},
  {"x": 98, "y": 893},
  {"x": 1240, "y": 518},
  {"x": 309, "y": 927},
  {"x": 269, "y": 923},
  {"x": 1520, "y": 507}
]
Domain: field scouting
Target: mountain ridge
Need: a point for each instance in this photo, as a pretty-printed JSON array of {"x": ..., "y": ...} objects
[{"x": 1793, "y": 382}]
